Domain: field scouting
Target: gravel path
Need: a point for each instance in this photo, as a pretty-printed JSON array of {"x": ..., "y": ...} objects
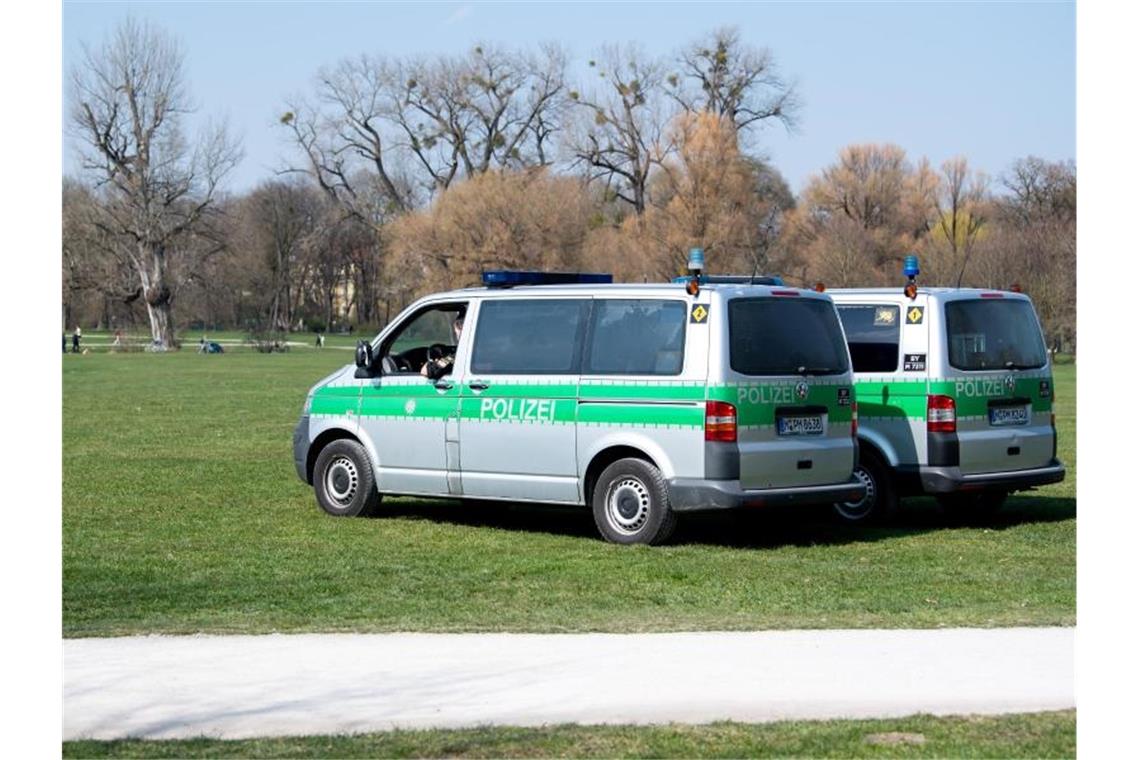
[{"x": 277, "y": 685}]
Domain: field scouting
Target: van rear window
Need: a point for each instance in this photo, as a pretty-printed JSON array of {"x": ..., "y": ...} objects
[
  {"x": 785, "y": 336},
  {"x": 993, "y": 334}
]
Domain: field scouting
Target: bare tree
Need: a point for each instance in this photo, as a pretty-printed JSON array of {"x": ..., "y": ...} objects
[
  {"x": 276, "y": 219},
  {"x": 155, "y": 186},
  {"x": 92, "y": 270},
  {"x": 872, "y": 188},
  {"x": 489, "y": 109},
  {"x": 426, "y": 122},
  {"x": 960, "y": 205},
  {"x": 342, "y": 137},
  {"x": 1035, "y": 241},
  {"x": 723, "y": 75},
  {"x": 622, "y": 130},
  {"x": 1038, "y": 189}
]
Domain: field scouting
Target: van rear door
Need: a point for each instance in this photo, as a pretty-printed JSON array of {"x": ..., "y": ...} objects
[
  {"x": 792, "y": 390},
  {"x": 1001, "y": 382}
]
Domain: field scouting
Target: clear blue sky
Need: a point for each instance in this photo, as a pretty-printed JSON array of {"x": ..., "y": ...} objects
[{"x": 990, "y": 81}]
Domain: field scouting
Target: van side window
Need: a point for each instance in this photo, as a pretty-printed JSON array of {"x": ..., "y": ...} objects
[
  {"x": 636, "y": 337},
  {"x": 529, "y": 337},
  {"x": 872, "y": 336}
]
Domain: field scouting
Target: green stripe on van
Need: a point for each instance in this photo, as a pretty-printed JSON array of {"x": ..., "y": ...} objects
[
  {"x": 620, "y": 403},
  {"x": 971, "y": 395},
  {"x": 683, "y": 415}
]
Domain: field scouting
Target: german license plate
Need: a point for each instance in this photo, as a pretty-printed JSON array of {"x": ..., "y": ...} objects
[
  {"x": 812, "y": 425},
  {"x": 1009, "y": 415}
]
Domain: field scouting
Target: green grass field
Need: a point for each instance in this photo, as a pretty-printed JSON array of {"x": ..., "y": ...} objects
[
  {"x": 182, "y": 513},
  {"x": 1039, "y": 735}
]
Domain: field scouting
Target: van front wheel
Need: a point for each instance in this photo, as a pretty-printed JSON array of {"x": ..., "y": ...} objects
[
  {"x": 631, "y": 504},
  {"x": 343, "y": 480}
]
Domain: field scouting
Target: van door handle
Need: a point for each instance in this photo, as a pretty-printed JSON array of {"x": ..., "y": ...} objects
[
  {"x": 478, "y": 385},
  {"x": 444, "y": 385}
]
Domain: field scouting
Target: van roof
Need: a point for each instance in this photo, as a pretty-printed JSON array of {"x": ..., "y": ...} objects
[
  {"x": 639, "y": 288},
  {"x": 898, "y": 291}
]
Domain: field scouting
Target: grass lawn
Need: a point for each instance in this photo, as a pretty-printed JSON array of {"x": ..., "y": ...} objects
[
  {"x": 1036, "y": 735},
  {"x": 182, "y": 513}
]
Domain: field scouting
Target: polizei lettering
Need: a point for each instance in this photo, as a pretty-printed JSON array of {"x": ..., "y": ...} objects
[
  {"x": 765, "y": 394},
  {"x": 520, "y": 409},
  {"x": 983, "y": 387}
]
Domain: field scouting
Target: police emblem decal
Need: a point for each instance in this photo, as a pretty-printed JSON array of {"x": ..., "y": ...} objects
[
  {"x": 801, "y": 390},
  {"x": 1010, "y": 384},
  {"x": 410, "y": 406}
]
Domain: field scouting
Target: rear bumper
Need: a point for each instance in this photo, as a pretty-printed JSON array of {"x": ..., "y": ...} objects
[
  {"x": 301, "y": 448},
  {"x": 695, "y": 494},
  {"x": 951, "y": 479}
]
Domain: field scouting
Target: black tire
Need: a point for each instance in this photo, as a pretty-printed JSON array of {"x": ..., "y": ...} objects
[
  {"x": 971, "y": 507},
  {"x": 882, "y": 501},
  {"x": 631, "y": 504},
  {"x": 343, "y": 480}
]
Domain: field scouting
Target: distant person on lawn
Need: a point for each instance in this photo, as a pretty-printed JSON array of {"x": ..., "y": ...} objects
[{"x": 75, "y": 337}]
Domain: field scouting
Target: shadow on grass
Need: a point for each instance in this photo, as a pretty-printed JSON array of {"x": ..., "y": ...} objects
[{"x": 757, "y": 528}]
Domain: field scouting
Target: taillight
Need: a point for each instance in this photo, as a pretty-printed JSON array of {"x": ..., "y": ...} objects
[
  {"x": 854, "y": 419},
  {"x": 720, "y": 421},
  {"x": 941, "y": 416}
]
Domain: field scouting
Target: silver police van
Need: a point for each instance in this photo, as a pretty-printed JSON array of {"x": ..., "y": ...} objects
[
  {"x": 640, "y": 401},
  {"x": 955, "y": 395}
]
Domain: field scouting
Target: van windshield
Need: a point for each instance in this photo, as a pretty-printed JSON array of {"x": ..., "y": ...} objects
[
  {"x": 785, "y": 336},
  {"x": 993, "y": 334}
]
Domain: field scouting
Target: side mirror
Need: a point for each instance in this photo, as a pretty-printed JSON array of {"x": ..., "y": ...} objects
[{"x": 364, "y": 359}]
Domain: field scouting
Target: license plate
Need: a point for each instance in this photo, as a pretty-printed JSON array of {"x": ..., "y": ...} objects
[
  {"x": 1009, "y": 415},
  {"x": 812, "y": 425}
]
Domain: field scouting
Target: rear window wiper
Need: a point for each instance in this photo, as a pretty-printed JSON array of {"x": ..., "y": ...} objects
[
  {"x": 816, "y": 370},
  {"x": 1014, "y": 365}
]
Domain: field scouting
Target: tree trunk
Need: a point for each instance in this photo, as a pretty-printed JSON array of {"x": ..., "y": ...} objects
[
  {"x": 161, "y": 325},
  {"x": 157, "y": 294}
]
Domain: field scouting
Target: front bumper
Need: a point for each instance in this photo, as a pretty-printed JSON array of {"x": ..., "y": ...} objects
[
  {"x": 695, "y": 494},
  {"x": 951, "y": 479},
  {"x": 301, "y": 448}
]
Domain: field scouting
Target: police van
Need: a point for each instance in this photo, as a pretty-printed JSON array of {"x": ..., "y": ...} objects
[
  {"x": 955, "y": 395},
  {"x": 639, "y": 401}
]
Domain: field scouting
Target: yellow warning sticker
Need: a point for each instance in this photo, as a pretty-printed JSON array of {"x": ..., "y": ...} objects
[
  {"x": 914, "y": 315},
  {"x": 699, "y": 313}
]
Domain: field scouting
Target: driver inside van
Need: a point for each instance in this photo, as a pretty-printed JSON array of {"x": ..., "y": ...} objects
[{"x": 440, "y": 363}]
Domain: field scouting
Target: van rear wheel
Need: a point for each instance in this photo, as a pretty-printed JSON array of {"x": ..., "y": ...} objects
[
  {"x": 343, "y": 480},
  {"x": 881, "y": 502},
  {"x": 631, "y": 504}
]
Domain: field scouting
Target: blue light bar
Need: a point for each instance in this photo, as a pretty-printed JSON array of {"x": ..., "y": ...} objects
[
  {"x": 508, "y": 278},
  {"x": 732, "y": 279}
]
